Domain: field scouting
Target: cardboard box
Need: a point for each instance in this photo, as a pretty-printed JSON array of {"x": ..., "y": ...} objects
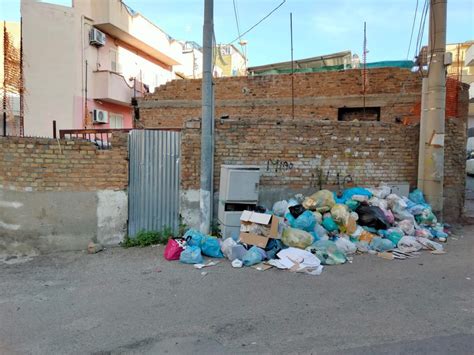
[{"x": 248, "y": 218}]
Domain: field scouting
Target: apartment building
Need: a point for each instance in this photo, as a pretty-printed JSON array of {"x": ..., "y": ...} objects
[{"x": 83, "y": 64}]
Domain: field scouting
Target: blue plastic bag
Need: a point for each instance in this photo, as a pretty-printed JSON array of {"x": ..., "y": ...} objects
[
  {"x": 305, "y": 221},
  {"x": 381, "y": 244},
  {"x": 394, "y": 235},
  {"x": 348, "y": 193},
  {"x": 416, "y": 196},
  {"x": 329, "y": 224},
  {"x": 253, "y": 256},
  {"x": 191, "y": 255},
  {"x": 210, "y": 246},
  {"x": 193, "y": 237},
  {"x": 351, "y": 204}
]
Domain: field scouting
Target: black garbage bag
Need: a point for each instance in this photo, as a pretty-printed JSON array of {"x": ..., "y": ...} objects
[
  {"x": 296, "y": 210},
  {"x": 260, "y": 209},
  {"x": 372, "y": 216}
]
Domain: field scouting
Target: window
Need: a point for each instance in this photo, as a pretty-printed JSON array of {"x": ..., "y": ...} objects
[
  {"x": 358, "y": 113},
  {"x": 115, "y": 120},
  {"x": 225, "y": 50},
  {"x": 114, "y": 61}
]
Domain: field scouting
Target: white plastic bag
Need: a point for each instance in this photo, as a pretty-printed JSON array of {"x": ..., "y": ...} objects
[
  {"x": 409, "y": 244},
  {"x": 429, "y": 244},
  {"x": 280, "y": 208},
  {"x": 340, "y": 213},
  {"x": 395, "y": 200},
  {"x": 407, "y": 226},
  {"x": 378, "y": 202},
  {"x": 226, "y": 247},
  {"x": 382, "y": 191},
  {"x": 346, "y": 246}
]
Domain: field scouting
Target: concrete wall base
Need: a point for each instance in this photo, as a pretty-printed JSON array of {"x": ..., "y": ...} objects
[{"x": 59, "y": 221}]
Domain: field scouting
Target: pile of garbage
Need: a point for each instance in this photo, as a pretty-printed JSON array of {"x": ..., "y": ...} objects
[{"x": 305, "y": 233}]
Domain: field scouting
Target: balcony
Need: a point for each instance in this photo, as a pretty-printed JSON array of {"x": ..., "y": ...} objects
[
  {"x": 118, "y": 20},
  {"x": 112, "y": 87}
]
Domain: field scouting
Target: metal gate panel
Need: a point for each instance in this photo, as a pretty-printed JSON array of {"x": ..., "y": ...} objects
[{"x": 153, "y": 191}]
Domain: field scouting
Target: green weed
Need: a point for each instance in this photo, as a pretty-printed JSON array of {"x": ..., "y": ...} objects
[{"x": 146, "y": 238}]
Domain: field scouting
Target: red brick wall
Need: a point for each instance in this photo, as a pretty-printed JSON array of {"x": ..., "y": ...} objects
[
  {"x": 292, "y": 152},
  {"x": 317, "y": 96},
  {"x": 42, "y": 164}
]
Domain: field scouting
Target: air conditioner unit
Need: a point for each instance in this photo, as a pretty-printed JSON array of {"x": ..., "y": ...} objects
[
  {"x": 96, "y": 38},
  {"x": 101, "y": 116}
]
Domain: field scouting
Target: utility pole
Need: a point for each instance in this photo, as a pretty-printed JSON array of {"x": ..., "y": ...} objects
[
  {"x": 207, "y": 126},
  {"x": 431, "y": 160}
]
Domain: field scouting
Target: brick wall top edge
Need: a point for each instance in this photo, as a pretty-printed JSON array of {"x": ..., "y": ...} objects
[
  {"x": 281, "y": 77},
  {"x": 48, "y": 141},
  {"x": 305, "y": 123}
]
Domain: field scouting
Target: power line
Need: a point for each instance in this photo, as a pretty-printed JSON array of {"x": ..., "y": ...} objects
[
  {"x": 421, "y": 28},
  {"x": 259, "y": 22},
  {"x": 236, "y": 19},
  {"x": 412, "y": 29},
  {"x": 236, "y": 14}
]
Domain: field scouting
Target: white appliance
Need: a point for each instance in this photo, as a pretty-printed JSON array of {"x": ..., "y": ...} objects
[
  {"x": 96, "y": 37},
  {"x": 100, "y": 116},
  {"x": 238, "y": 191}
]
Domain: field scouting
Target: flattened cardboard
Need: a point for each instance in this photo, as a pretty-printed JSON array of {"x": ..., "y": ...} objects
[{"x": 255, "y": 217}]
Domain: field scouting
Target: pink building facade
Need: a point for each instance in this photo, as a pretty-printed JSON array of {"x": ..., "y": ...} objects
[{"x": 83, "y": 64}]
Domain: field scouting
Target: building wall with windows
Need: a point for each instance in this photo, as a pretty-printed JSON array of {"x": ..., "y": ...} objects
[
  {"x": 230, "y": 60},
  {"x": 459, "y": 70},
  {"x": 68, "y": 77}
]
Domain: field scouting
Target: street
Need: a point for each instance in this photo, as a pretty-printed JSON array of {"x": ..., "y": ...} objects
[{"x": 134, "y": 301}]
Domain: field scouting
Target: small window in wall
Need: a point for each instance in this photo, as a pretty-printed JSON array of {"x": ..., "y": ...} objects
[
  {"x": 115, "y": 120},
  {"x": 358, "y": 113},
  {"x": 114, "y": 61}
]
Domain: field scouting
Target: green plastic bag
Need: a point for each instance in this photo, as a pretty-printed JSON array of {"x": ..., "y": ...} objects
[
  {"x": 328, "y": 252},
  {"x": 296, "y": 238}
]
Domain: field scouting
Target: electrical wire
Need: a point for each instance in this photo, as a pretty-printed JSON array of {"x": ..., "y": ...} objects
[
  {"x": 259, "y": 22},
  {"x": 421, "y": 28},
  {"x": 412, "y": 29},
  {"x": 236, "y": 19},
  {"x": 236, "y": 15}
]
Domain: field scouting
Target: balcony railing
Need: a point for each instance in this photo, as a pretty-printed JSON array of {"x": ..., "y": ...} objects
[{"x": 102, "y": 138}]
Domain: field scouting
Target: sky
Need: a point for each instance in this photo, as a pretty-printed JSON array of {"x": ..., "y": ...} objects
[{"x": 319, "y": 26}]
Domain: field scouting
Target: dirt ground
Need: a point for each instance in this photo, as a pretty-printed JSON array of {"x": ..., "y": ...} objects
[{"x": 133, "y": 301}]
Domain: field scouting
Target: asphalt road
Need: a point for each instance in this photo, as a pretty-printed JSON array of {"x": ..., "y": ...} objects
[{"x": 133, "y": 301}]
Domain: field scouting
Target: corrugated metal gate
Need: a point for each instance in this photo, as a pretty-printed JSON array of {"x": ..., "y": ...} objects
[{"x": 153, "y": 191}]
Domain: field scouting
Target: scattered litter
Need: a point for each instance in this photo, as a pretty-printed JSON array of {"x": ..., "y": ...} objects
[
  {"x": 386, "y": 255},
  {"x": 204, "y": 273},
  {"x": 304, "y": 233},
  {"x": 237, "y": 263},
  {"x": 210, "y": 263},
  {"x": 262, "y": 267},
  {"x": 93, "y": 248},
  {"x": 297, "y": 260}
]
